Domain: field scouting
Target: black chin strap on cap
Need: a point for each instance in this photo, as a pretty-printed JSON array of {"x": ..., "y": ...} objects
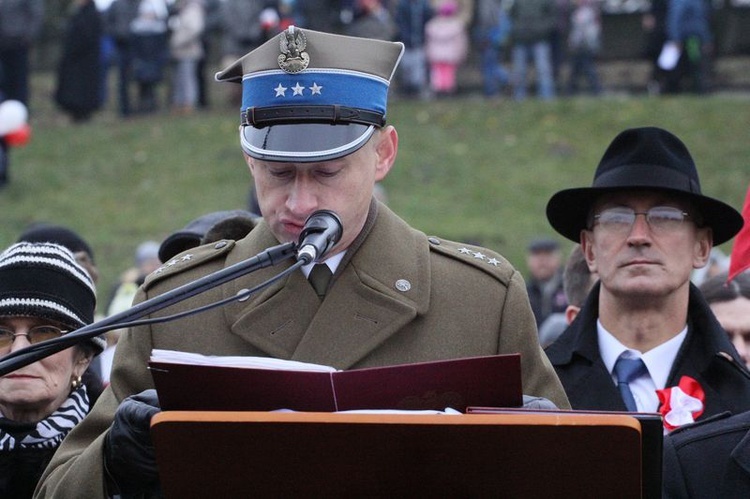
[{"x": 334, "y": 115}]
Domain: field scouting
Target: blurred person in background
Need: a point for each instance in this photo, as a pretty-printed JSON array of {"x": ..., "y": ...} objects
[
  {"x": 558, "y": 40},
  {"x": 20, "y": 24},
  {"x": 718, "y": 262},
  {"x": 242, "y": 32},
  {"x": 323, "y": 15},
  {"x": 79, "y": 91},
  {"x": 225, "y": 224},
  {"x": 150, "y": 44},
  {"x": 411, "y": 17},
  {"x": 545, "y": 282},
  {"x": 209, "y": 40},
  {"x": 653, "y": 24},
  {"x": 584, "y": 44},
  {"x": 146, "y": 261},
  {"x": 186, "y": 50},
  {"x": 688, "y": 26},
  {"x": 4, "y": 162},
  {"x": 465, "y": 9},
  {"x": 730, "y": 303},
  {"x": 492, "y": 32},
  {"x": 577, "y": 283},
  {"x": 372, "y": 20},
  {"x": 117, "y": 19},
  {"x": 44, "y": 294},
  {"x": 533, "y": 22},
  {"x": 446, "y": 47}
]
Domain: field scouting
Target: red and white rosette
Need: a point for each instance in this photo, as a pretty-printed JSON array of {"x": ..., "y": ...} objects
[{"x": 681, "y": 404}]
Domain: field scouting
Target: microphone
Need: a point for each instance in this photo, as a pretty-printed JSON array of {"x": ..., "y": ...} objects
[{"x": 321, "y": 232}]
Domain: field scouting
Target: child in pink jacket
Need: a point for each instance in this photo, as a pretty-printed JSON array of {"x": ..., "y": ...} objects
[{"x": 446, "y": 47}]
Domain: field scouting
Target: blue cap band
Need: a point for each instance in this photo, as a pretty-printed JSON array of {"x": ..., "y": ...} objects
[{"x": 317, "y": 87}]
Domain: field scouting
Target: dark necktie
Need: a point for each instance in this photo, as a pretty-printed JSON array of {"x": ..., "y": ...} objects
[
  {"x": 319, "y": 277},
  {"x": 626, "y": 370}
]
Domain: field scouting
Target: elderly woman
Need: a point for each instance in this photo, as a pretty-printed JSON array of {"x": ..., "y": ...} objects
[{"x": 44, "y": 293}]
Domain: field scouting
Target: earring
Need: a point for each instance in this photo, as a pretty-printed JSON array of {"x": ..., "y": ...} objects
[{"x": 76, "y": 382}]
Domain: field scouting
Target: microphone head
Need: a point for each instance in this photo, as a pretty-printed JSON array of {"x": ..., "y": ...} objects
[
  {"x": 322, "y": 230},
  {"x": 320, "y": 221}
]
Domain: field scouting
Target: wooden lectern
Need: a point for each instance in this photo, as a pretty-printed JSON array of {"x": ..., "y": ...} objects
[{"x": 262, "y": 454}]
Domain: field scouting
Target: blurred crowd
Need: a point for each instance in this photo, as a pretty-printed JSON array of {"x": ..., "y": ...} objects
[
  {"x": 159, "y": 55},
  {"x": 621, "y": 316},
  {"x": 159, "y": 49}
]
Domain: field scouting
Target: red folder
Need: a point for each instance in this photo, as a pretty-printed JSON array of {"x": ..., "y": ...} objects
[{"x": 458, "y": 383}]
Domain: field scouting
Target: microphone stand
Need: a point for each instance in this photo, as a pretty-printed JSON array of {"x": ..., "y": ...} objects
[{"x": 33, "y": 353}]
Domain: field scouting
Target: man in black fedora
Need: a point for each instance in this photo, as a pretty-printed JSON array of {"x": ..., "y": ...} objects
[{"x": 645, "y": 340}]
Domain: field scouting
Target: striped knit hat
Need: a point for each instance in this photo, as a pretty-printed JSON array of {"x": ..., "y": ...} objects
[{"x": 44, "y": 280}]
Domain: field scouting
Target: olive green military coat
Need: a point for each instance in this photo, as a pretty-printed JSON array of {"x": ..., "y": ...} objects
[{"x": 452, "y": 300}]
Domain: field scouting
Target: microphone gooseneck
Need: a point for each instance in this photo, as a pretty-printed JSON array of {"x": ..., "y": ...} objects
[
  {"x": 321, "y": 232},
  {"x": 131, "y": 317}
]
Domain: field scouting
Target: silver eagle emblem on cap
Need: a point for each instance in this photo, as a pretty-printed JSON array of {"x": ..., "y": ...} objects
[{"x": 293, "y": 57}]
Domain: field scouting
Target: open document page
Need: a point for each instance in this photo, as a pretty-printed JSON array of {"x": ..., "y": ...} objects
[
  {"x": 187, "y": 381},
  {"x": 196, "y": 359}
]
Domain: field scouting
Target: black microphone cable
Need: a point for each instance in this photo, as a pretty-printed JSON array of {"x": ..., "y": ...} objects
[
  {"x": 323, "y": 229},
  {"x": 38, "y": 351}
]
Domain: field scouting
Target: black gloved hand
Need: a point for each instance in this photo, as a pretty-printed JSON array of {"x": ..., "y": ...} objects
[{"x": 129, "y": 458}]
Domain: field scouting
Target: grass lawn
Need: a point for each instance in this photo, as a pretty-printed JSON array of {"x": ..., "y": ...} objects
[{"x": 468, "y": 169}]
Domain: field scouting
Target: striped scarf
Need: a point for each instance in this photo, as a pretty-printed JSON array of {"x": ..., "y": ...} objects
[{"x": 49, "y": 432}]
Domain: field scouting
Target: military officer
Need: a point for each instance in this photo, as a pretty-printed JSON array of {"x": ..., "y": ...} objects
[{"x": 314, "y": 136}]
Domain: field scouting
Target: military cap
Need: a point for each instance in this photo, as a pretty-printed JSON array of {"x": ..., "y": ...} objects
[{"x": 310, "y": 96}]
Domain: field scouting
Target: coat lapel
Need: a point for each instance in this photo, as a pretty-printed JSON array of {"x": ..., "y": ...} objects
[
  {"x": 363, "y": 307},
  {"x": 383, "y": 287},
  {"x": 273, "y": 318}
]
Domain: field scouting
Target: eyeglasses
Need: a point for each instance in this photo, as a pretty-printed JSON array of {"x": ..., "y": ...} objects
[
  {"x": 661, "y": 219},
  {"x": 36, "y": 334}
]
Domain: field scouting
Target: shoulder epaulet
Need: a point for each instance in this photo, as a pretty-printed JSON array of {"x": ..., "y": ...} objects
[
  {"x": 189, "y": 259},
  {"x": 481, "y": 258}
]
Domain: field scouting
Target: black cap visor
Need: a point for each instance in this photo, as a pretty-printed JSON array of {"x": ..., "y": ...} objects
[{"x": 303, "y": 142}]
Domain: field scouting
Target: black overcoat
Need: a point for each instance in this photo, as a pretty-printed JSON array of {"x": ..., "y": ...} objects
[{"x": 706, "y": 355}]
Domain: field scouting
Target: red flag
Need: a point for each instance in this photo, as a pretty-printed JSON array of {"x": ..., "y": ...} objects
[{"x": 740, "y": 258}]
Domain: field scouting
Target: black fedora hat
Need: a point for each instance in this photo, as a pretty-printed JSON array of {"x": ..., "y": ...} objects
[{"x": 646, "y": 158}]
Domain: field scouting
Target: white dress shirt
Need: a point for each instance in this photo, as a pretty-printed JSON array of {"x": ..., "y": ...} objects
[
  {"x": 658, "y": 362},
  {"x": 333, "y": 263}
]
